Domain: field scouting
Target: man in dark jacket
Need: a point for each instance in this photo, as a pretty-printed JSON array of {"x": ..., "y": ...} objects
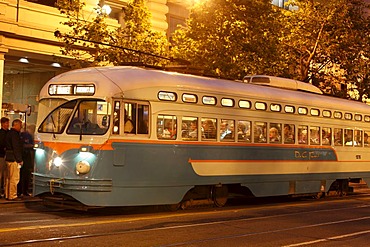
[
  {"x": 13, "y": 159},
  {"x": 4, "y": 129}
]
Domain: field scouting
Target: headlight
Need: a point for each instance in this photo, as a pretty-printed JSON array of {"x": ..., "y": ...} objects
[
  {"x": 58, "y": 161},
  {"x": 82, "y": 167}
]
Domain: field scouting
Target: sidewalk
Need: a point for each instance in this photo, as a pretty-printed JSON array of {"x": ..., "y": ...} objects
[{"x": 24, "y": 199}]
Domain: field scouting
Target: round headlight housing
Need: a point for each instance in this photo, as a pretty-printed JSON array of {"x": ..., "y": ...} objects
[{"x": 82, "y": 167}]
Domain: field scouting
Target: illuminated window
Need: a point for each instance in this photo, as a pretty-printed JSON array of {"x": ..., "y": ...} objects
[
  {"x": 326, "y": 136},
  {"x": 227, "y": 102},
  {"x": 275, "y": 107},
  {"x": 166, "y": 127},
  {"x": 358, "y": 117},
  {"x": 338, "y": 114},
  {"x": 302, "y": 110},
  {"x": 275, "y": 133},
  {"x": 246, "y": 104},
  {"x": 315, "y": 112},
  {"x": 338, "y": 137},
  {"x": 57, "y": 120},
  {"x": 227, "y": 130},
  {"x": 348, "y": 137},
  {"x": 357, "y": 142},
  {"x": 209, "y": 130},
  {"x": 90, "y": 118},
  {"x": 348, "y": 116},
  {"x": 189, "y": 98},
  {"x": 189, "y": 128},
  {"x": 366, "y": 138},
  {"x": 289, "y": 109},
  {"x": 209, "y": 100},
  {"x": 260, "y": 129},
  {"x": 326, "y": 113},
  {"x": 168, "y": 96},
  {"x": 289, "y": 133},
  {"x": 261, "y": 106},
  {"x": 302, "y": 134},
  {"x": 314, "y": 135},
  {"x": 244, "y": 131}
]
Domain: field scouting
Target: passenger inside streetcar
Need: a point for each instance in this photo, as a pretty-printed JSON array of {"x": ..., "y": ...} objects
[
  {"x": 209, "y": 129},
  {"x": 288, "y": 134},
  {"x": 274, "y": 135}
]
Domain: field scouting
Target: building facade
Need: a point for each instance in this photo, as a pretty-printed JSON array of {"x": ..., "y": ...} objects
[{"x": 29, "y": 52}]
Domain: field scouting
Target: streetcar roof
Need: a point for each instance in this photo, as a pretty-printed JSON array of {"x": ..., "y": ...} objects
[{"x": 115, "y": 81}]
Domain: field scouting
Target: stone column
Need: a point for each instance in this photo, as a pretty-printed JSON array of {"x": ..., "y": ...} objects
[
  {"x": 3, "y": 51},
  {"x": 158, "y": 10}
]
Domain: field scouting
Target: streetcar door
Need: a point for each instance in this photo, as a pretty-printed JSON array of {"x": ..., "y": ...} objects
[{"x": 130, "y": 120}]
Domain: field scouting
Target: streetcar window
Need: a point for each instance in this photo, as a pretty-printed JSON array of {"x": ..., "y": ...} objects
[
  {"x": 275, "y": 107},
  {"x": 136, "y": 118},
  {"x": 116, "y": 117},
  {"x": 338, "y": 137},
  {"x": 260, "y": 129},
  {"x": 326, "y": 136},
  {"x": 275, "y": 133},
  {"x": 326, "y": 113},
  {"x": 209, "y": 130},
  {"x": 338, "y": 114},
  {"x": 357, "y": 141},
  {"x": 302, "y": 134},
  {"x": 314, "y": 135},
  {"x": 366, "y": 136},
  {"x": 57, "y": 120},
  {"x": 189, "y": 98},
  {"x": 358, "y": 117},
  {"x": 244, "y": 131},
  {"x": 367, "y": 118},
  {"x": 260, "y": 106},
  {"x": 302, "y": 110},
  {"x": 348, "y": 137},
  {"x": 289, "y": 109},
  {"x": 166, "y": 127},
  {"x": 348, "y": 116},
  {"x": 168, "y": 96},
  {"x": 227, "y": 132},
  {"x": 189, "y": 128},
  {"x": 129, "y": 118},
  {"x": 209, "y": 100},
  {"x": 315, "y": 112},
  {"x": 91, "y": 118},
  {"x": 247, "y": 104},
  {"x": 289, "y": 133},
  {"x": 227, "y": 102},
  {"x": 142, "y": 119}
]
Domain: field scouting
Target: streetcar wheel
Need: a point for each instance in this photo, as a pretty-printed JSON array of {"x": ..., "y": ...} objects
[
  {"x": 319, "y": 195},
  {"x": 220, "y": 195}
]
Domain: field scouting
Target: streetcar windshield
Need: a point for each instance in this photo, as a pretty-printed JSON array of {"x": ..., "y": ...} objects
[
  {"x": 89, "y": 117},
  {"x": 46, "y": 106},
  {"x": 57, "y": 120}
]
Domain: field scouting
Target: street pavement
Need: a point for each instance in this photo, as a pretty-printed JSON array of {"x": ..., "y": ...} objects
[{"x": 25, "y": 199}]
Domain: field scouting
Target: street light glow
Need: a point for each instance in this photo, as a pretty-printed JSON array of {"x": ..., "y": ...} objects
[{"x": 106, "y": 9}]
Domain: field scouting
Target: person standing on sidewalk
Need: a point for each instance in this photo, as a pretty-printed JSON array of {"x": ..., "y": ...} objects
[
  {"x": 4, "y": 129},
  {"x": 27, "y": 167},
  {"x": 13, "y": 159}
]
